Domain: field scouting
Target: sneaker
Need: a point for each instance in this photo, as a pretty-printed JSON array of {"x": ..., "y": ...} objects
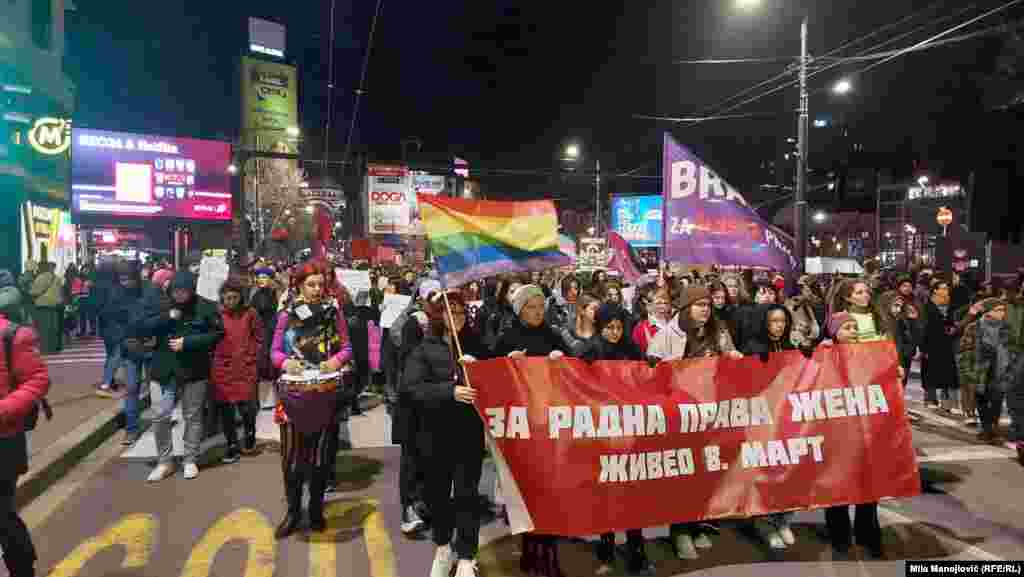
[
  {"x": 191, "y": 471},
  {"x": 702, "y": 541},
  {"x": 970, "y": 422},
  {"x": 775, "y": 541},
  {"x": 105, "y": 391},
  {"x": 1011, "y": 445},
  {"x": 442, "y": 566},
  {"x": 231, "y": 456},
  {"x": 411, "y": 522},
  {"x": 161, "y": 472},
  {"x": 604, "y": 569},
  {"x": 684, "y": 547},
  {"x": 130, "y": 438},
  {"x": 787, "y": 535},
  {"x": 467, "y": 568}
]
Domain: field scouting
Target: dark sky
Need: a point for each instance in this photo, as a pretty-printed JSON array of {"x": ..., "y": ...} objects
[{"x": 506, "y": 83}]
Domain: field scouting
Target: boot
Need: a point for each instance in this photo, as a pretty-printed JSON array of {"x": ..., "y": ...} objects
[
  {"x": 317, "y": 486},
  {"x": 249, "y": 443},
  {"x": 20, "y": 568},
  {"x": 529, "y": 563},
  {"x": 293, "y": 492},
  {"x": 551, "y": 567}
]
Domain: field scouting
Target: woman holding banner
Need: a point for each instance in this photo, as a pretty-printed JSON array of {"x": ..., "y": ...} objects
[
  {"x": 452, "y": 434},
  {"x": 693, "y": 332},
  {"x": 611, "y": 343},
  {"x": 530, "y": 336}
]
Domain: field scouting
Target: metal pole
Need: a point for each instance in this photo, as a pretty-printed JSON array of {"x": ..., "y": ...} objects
[
  {"x": 597, "y": 200},
  {"x": 800, "y": 206}
]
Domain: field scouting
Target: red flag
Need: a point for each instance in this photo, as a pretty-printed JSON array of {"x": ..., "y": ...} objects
[{"x": 622, "y": 259}]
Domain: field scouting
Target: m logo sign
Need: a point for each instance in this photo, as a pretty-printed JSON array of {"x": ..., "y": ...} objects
[{"x": 50, "y": 136}]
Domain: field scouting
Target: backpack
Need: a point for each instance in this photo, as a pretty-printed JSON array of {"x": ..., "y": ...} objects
[{"x": 32, "y": 419}]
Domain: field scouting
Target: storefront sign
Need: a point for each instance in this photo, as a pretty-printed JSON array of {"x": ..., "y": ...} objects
[
  {"x": 50, "y": 136},
  {"x": 389, "y": 201}
]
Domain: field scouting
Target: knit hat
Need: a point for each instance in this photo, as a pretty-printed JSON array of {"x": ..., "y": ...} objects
[
  {"x": 836, "y": 321},
  {"x": 523, "y": 295},
  {"x": 161, "y": 277},
  {"x": 692, "y": 294}
]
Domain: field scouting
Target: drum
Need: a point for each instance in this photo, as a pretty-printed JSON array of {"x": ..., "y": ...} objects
[{"x": 310, "y": 398}]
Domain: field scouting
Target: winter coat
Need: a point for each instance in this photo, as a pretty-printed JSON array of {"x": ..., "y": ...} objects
[
  {"x": 670, "y": 344},
  {"x": 574, "y": 343},
  {"x": 201, "y": 328},
  {"x": 938, "y": 341},
  {"x": 747, "y": 322},
  {"x": 235, "y": 371},
  {"x": 644, "y": 331},
  {"x": 431, "y": 417},
  {"x": 536, "y": 341},
  {"x": 358, "y": 319},
  {"x": 908, "y": 339},
  {"x": 47, "y": 290},
  {"x": 264, "y": 302},
  {"x": 498, "y": 321},
  {"x": 559, "y": 313},
  {"x": 31, "y": 377}
]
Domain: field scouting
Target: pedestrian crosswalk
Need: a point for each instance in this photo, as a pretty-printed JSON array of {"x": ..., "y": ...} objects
[{"x": 87, "y": 350}]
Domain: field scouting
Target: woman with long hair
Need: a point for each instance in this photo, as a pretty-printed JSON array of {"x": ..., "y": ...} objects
[
  {"x": 693, "y": 332},
  {"x": 452, "y": 435},
  {"x": 311, "y": 339},
  {"x": 659, "y": 314},
  {"x": 582, "y": 329}
]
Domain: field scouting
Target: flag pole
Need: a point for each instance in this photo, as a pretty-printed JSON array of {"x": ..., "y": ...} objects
[{"x": 455, "y": 335}]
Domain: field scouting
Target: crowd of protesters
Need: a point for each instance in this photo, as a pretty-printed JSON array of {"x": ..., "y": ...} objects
[{"x": 272, "y": 320}]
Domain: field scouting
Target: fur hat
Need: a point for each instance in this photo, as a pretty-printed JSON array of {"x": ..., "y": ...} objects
[
  {"x": 692, "y": 294},
  {"x": 523, "y": 294}
]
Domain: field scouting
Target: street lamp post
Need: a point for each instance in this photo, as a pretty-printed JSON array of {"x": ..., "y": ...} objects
[
  {"x": 597, "y": 198},
  {"x": 800, "y": 204}
]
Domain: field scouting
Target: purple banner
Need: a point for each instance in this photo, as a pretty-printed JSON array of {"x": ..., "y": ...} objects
[{"x": 708, "y": 222}]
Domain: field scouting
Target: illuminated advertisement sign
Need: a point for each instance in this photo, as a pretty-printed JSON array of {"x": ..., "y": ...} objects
[
  {"x": 139, "y": 176},
  {"x": 390, "y": 203},
  {"x": 270, "y": 103},
  {"x": 638, "y": 219}
]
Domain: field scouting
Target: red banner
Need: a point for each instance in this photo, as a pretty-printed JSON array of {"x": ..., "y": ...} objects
[{"x": 618, "y": 445}]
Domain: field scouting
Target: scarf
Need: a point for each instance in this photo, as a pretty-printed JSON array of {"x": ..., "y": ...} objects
[{"x": 313, "y": 330}]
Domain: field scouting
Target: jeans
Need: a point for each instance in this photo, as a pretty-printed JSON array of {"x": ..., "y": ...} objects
[
  {"x": 19, "y": 552},
  {"x": 193, "y": 396},
  {"x": 113, "y": 361},
  {"x": 132, "y": 390}
]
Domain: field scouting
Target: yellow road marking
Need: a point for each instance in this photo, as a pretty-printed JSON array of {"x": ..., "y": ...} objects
[
  {"x": 243, "y": 524},
  {"x": 136, "y": 533},
  {"x": 347, "y": 516}
]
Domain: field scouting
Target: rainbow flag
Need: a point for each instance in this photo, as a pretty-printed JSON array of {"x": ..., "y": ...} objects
[{"x": 473, "y": 239}]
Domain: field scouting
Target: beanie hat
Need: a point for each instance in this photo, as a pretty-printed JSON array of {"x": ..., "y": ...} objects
[
  {"x": 523, "y": 295},
  {"x": 836, "y": 321},
  {"x": 692, "y": 294}
]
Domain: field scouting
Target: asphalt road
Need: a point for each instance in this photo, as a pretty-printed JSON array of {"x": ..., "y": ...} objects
[{"x": 108, "y": 522}]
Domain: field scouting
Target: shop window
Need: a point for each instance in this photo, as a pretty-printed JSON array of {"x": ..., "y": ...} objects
[{"x": 42, "y": 23}]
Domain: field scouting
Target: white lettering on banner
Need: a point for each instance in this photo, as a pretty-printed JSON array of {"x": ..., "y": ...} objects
[
  {"x": 386, "y": 197},
  {"x": 518, "y": 426},
  {"x": 652, "y": 465},
  {"x": 634, "y": 421},
  {"x": 114, "y": 142},
  {"x": 819, "y": 405},
  {"x": 725, "y": 414},
  {"x": 684, "y": 179},
  {"x": 755, "y": 454},
  {"x": 688, "y": 177}
]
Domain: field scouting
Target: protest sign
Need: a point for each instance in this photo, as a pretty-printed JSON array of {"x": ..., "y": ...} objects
[
  {"x": 614, "y": 445},
  {"x": 391, "y": 307},
  {"x": 213, "y": 271},
  {"x": 354, "y": 280}
]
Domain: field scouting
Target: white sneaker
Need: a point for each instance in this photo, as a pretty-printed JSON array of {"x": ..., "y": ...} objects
[
  {"x": 604, "y": 569},
  {"x": 775, "y": 541},
  {"x": 466, "y": 568},
  {"x": 161, "y": 472},
  {"x": 442, "y": 566},
  {"x": 191, "y": 471},
  {"x": 971, "y": 421},
  {"x": 787, "y": 535},
  {"x": 702, "y": 541},
  {"x": 684, "y": 547}
]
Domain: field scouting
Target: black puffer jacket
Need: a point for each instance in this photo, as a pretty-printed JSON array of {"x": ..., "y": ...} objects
[{"x": 435, "y": 421}]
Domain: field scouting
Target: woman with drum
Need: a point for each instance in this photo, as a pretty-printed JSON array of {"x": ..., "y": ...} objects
[
  {"x": 451, "y": 437},
  {"x": 312, "y": 348}
]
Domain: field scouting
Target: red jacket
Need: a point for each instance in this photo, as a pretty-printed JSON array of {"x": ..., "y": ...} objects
[
  {"x": 643, "y": 332},
  {"x": 235, "y": 369},
  {"x": 30, "y": 374}
]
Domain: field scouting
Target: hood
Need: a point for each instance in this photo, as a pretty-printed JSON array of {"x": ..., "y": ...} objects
[
  {"x": 184, "y": 279},
  {"x": 10, "y": 297}
]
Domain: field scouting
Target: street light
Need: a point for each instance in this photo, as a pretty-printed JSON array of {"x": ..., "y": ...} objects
[
  {"x": 819, "y": 217},
  {"x": 572, "y": 152},
  {"x": 747, "y": 4},
  {"x": 292, "y": 131},
  {"x": 843, "y": 86},
  {"x": 232, "y": 169},
  {"x": 923, "y": 180}
]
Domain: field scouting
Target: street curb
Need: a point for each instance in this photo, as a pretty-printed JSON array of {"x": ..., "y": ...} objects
[{"x": 54, "y": 462}]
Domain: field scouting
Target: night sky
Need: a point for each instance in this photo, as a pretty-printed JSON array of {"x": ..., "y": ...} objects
[{"x": 504, "y": 84}]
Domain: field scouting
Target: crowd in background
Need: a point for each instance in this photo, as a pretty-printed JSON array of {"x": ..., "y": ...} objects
[{"x": 211, "y": 356}]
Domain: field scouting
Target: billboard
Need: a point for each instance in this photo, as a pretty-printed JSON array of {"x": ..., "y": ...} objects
[
  {"x": 270, "y": 99},
  {"x": 133, "y": 175},
  {"x": 266, "y": 37},
  {"x": 638, "y": 219},
  {"x": 389, "y": 202}
]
